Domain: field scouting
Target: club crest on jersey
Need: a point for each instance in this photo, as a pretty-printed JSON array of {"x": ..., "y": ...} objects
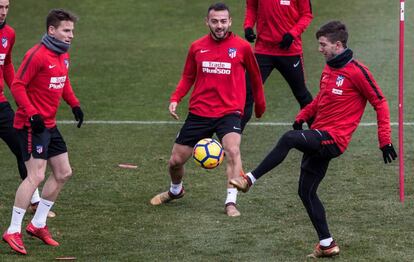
[
  {"x": 232, "y": 52},
  {"x": 340, "y": 80},
  {"x": 4, "y": 41},
  {"x": 66, "y": 61},
  {"x": 39, "y": 149}
]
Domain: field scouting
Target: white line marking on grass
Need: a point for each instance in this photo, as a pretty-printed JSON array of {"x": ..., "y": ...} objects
[{"x": 134, "y": 122}]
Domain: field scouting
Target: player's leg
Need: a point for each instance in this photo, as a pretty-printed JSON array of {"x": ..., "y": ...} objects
[
  {"x": 292, "y": 69},
  {"x": 303, "y": 140},
  {"x": 61, "y": 172},
  {"x": 313, "y": 170},
  {"x": 35, "y": 157},
  {"x": 194, "y": 129},
  {"x": 9, "y": 135},
  {"x": 227, "y": 129},
  {"x": 266, "y": 66}
]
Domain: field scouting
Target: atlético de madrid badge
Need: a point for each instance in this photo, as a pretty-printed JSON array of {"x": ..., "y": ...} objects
[
  {"x": 232, "y": 52},
  {"x": 4, "y": 41},
  {"x": 340, "y": 80}
]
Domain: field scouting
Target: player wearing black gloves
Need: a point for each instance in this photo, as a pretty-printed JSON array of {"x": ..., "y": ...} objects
[{"x": 279, "y": 25}]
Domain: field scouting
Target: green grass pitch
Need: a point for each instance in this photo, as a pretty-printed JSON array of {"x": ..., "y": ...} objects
[{"x": 126, "y": 59}]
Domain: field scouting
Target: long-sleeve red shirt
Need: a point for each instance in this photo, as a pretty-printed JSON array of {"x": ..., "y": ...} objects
[
  {"x": 217, "y": 70},
  {"x": 341, "y": 102},
  {"x": 41, "y": 81},
  {"x": 274, "y": 18},
  {"x": 7, "y": 37}
]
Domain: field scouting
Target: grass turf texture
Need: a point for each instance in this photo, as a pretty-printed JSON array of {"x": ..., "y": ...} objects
[{"x": 126, "y": 59}]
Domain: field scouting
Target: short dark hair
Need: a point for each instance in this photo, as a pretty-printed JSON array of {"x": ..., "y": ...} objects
[
  {"x": 218, "y": 7},
  {"x": 55, "y": 16},
  {"x": 334, "y": 31}
]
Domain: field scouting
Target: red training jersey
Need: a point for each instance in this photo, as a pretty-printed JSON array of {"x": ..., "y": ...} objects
[
  {"x": 274, "y": 18},
  {"x": 341, "y": 101},
  {"x": 39, "y": 84},
  {"x": 218, "y": 70},
  {"x": 8, "y": 37}
]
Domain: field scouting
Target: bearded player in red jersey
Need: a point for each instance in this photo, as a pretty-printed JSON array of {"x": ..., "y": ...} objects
[
  {"x": 345, "y": 87},
  {"x": 279, "y": 26},
  {"x": 215, "y": 65},
  {"x": 40, "y": 83},
  {"x": 7, "y": 132}
]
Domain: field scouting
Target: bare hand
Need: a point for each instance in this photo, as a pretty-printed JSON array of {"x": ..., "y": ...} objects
[{"x": 172, "y": 108}]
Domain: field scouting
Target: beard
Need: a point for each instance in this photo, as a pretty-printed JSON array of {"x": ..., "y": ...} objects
[{"x": 223, "y": 33}]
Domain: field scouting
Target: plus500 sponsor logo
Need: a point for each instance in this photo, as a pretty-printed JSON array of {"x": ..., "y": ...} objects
[
  {"x": 220, "y": 68},
  {"x": 57, "y": 82}
]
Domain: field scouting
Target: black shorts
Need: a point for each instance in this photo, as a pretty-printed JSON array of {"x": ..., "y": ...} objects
[
  {"x": 45, "y": 145},
  {"x": 196, "y": 128}
]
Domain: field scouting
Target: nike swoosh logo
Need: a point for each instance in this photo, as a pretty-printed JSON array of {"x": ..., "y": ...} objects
[
  {"x": 51, "y": 66},
  {"x": 237, "y": 128},
  {"x": 296, "y": 64},
  {"x": 17, "y": 245},
  {"x": 204, "y": 51}
]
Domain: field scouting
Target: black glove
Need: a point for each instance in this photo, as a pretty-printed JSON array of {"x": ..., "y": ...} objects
[
  {"x": 297, "y": 125},
  {"x": 37, "y": 124},
  {"x": 249, "y": 34},
  {"x": 77, "y": 112},
  {"x": 388, "y": 152},
  {"x": 286, "y": 41}
]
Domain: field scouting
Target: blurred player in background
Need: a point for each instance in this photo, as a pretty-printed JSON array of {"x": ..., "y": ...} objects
[
  {"x": 345, "y": 87},
  {"x": 279, "y": 25},
  {"x": 40, "y": 83},
  {"x": 215, "y": 65},
  {"x": 7, "y": 132}
]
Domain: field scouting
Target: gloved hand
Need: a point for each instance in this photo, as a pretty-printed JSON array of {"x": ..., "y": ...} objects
[
  {"x": 388, "y": 152},
  {"x": 249, "y": 34},
  {"x": 286, "y": 41},
  {"x": 77, "y": 112},
  {"x": 297, "y": 125},
  {"x": 37, "y": 124}
]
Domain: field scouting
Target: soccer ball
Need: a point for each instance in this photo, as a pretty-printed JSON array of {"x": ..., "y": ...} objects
[{"x": 208, "y": 153}]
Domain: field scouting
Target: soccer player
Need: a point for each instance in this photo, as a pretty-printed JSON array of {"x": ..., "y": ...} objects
[
  {"x": 7, "y": 132},
  {"x": 279, "y": 25},
  {"x": 215, "y": 65},
  {"x": 41, "y": 81},
  {"x": 345, "y": 87}
]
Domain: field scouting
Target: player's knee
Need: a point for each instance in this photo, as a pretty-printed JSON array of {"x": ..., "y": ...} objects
[
  {"x": 64, "y": 175},
  {"x": 232, "y": 152},
  {"x": 288, "y": 137},
  {"x": 35, "y": 178},
  {"x": 175, "y": 162}
]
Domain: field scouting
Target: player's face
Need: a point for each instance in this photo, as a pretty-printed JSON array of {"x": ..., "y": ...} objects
[
  {"x": 4, "y": 9},
  {"x": 219, "y": 23},
  {"x": 328, "y": 49},
  {"x": 64, "y": 32}
]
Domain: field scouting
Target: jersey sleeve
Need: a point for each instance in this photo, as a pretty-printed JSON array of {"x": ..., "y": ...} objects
[
  {"x": 8, "y": 70},
  {"x": 187, "y": 78},
  {"x": 30, "y": 66},
  {"x": 370, "y": 89},
  {"x": 68, "y": 95},
  {"x": 256, "y": 81},
  {"x": 305, "y": 12},
  {"x": 250, "y": 14}
]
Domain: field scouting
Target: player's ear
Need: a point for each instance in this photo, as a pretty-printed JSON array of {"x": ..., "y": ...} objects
[
  {"x": 51, "y": 30},
  {"x": 206, "y": 20}
]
